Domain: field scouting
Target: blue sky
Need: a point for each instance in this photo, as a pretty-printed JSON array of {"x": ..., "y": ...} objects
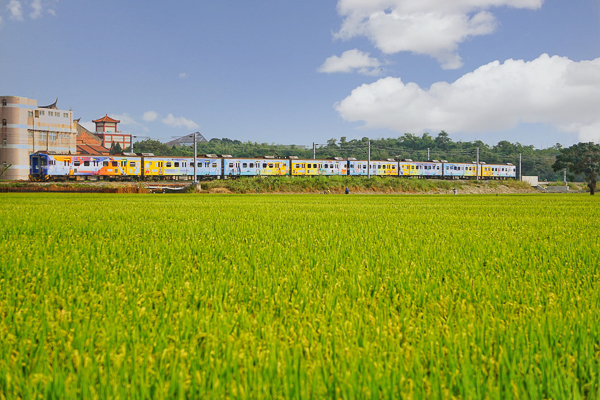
[{"x": 297, "y": 72}]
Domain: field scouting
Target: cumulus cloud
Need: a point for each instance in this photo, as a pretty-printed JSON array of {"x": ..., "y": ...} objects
[
  {"x": 37, "y": 9},
  {"x": 494, "y": 97},
  {"x": 178, "y": 122},
  {"x": 431, "y": 27},
  {"x": 150, "y": 116},
  {"x": 350, "y": 61},
  {"x": 127, "y": 119},
  {"x": 15, "y": 9},
  {"x": 183, "y": 75}
]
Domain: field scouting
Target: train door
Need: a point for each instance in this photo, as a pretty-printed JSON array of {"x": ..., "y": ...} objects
[{"x": 35, "y": 165}]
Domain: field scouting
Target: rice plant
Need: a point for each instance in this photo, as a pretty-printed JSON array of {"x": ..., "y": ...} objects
[{"x": 299, "y": 296}]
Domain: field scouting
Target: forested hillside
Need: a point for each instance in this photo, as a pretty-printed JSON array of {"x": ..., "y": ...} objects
[{"x": 442, "y": 147}]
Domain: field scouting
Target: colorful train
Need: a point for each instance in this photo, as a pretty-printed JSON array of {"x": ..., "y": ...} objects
[{"x": 145, "y": 166}]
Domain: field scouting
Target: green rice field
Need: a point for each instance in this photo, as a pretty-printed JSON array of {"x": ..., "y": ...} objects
[{"x": 299, "y": 296}]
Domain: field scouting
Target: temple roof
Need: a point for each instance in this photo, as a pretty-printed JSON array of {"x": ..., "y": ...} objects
[
  {"x": 51, "y": 106},
  {"x": 106, "y": 118}
]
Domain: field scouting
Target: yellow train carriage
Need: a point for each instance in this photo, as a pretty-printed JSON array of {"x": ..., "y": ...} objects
[{"x": 335, "y": 166}]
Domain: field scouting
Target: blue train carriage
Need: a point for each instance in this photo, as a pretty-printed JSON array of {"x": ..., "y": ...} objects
[
  {"x": 44, "y": 166},
  {"x": 498, "y": 171},
  {"x": 357, "y": 167},
  {"x": 258, "y": 166},
  {"x": 325, "y": 167},
  {"x": 460, "y": 170},
  {"x": 208, "y": 166},
  {"x": 430, "y": 169}
]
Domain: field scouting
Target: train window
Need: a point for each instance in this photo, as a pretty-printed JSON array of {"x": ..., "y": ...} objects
[
  {"x": 251, "y": 165},
  {"x": 176, "y": 164},
  {"x": 364, "y": 167},
  {"x": 115, "y": 164},
  {"x": 270, "y": 165},
  {"x": 393, "y": 167},
  {"x": 230, "y": 165},
  {"x": 86, "y": 163},
  {"x": 206, "y": 164},
  {"x": 214, "y": 165},
  {"x": 105, "y": 163},
  {"x": 77, "y": 163},
  {"x": 168, "y": 164},
  {"x": 132, "y": 163}
]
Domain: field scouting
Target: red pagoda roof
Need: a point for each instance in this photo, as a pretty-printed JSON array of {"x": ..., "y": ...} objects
[{"x": 106, "y": 118}]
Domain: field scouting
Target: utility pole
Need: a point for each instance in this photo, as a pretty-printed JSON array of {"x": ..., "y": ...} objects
[
  {"x": 520, "y": 172},
  {"x": 565, "y": 179},
  {"x": 477, "y": 168},
  {"x": 314, "y": 151},
  {"x": 195, "y": 162},
  {"x": 369, "y": 161},
  {"x": 428, "y": 154}
]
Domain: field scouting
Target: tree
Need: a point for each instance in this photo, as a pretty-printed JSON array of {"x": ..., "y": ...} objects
[
  {"x": 443, "y": 141},
  {"x": 581, "y": 158},
  {"x": 115, "y": 148}
]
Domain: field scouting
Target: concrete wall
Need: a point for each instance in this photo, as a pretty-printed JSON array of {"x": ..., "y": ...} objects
[{"x": 532, "y": 180}]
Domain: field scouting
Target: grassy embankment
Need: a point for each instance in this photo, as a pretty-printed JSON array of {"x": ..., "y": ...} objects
[
  {"x": 286, "y": 184},
  {"x": 337, "y": 184}
]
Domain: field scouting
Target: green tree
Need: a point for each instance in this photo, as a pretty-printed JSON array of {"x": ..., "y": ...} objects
[
  {"x": 115, "y": 148},
  {"x": 581, "y": 158}
]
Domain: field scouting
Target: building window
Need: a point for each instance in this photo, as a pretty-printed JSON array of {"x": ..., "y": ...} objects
[
  {"x": 4, "y": 122},
  {"x": 41, "y": 112},
  {"x": 4, "y": 102},
  {"x": 30, "y": 113}
]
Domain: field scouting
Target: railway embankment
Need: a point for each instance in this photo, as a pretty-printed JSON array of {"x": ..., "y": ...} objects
[{"x": 289, "y": 185}]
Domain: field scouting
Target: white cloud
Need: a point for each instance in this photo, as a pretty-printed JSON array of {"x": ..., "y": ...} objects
[
  {"x": 350, "y": 61},
  {"x": 183, "y": 75},
  {"x": 494, "y": 97},
  {"x": 16, "y": 12},
  {"x": 89, "y": 125},
  {"x": 127, "y": 119},
  {"x": 150, "y": 116},
  {"x": 37, "y": 9},
  {"x": 431, "y": 27},
  {"x": 177, "y": 122}
]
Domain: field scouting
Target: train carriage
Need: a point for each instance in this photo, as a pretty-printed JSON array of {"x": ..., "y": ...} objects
[
  {"x": 460, "y": 170},
  {"x": 208, "y": 166},
  {"x": 335, "y": 166},
  {"x": 498, "y": 171},
  {"x": 409, "y": 167},
  {"x": 45, "y": 166},
  {"x": 259, "y": 166}
]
